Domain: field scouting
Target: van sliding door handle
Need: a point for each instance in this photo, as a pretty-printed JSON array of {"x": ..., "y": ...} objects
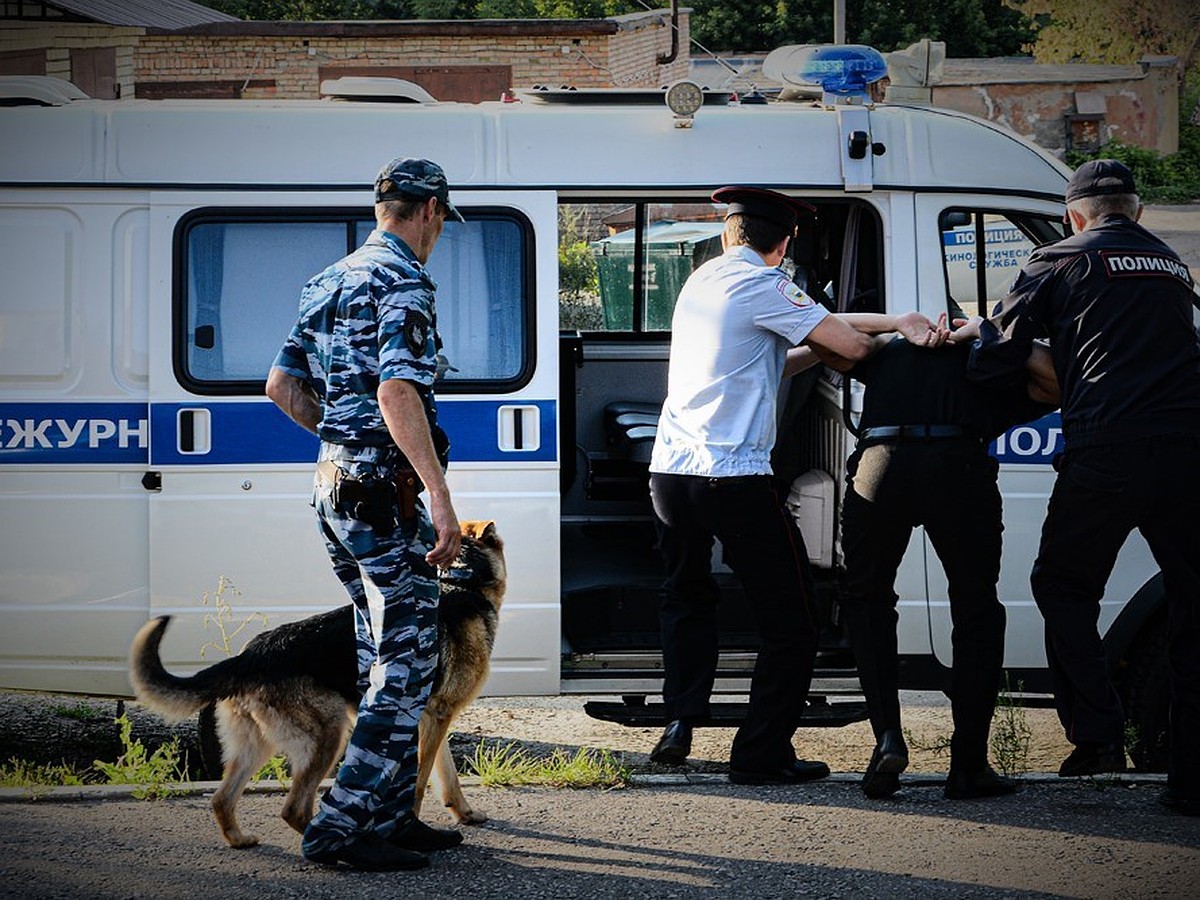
[
  {"x": 193, "y": 429},
  {"x": 517, "y": 429}
]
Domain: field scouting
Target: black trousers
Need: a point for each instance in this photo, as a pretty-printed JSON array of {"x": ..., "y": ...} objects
[
  {"x": 1100, "y": 496},
  {"x": 764, "y": 549},
  {"x": 949, "y": 486}
]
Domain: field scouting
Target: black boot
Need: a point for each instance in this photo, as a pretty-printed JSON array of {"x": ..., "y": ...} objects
[
  {"x": 674, "y": 745},
  {"x": 984, "y": 782},
  {"x": 890, "y": 758},
  {"x": 1090, "y": 758}
]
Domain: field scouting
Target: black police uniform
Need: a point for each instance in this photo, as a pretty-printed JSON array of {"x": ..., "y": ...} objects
[
  {"x": 922, "y": 459},
  {"x": 1116, "y": 303}
]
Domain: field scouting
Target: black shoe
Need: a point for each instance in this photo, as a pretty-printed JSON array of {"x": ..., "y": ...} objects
[
  {"x": 798, "y": 772},
  {"x": 1177, "y": 803},
  {"x": 890, "y": 758},
  {"x": 416, "y": 835},
  {"x": 1089, "y": 758},
  {"x": 371, "y": 853},
  {"x": 973, "y": 785},
  {"x": 674, "y": 745}
]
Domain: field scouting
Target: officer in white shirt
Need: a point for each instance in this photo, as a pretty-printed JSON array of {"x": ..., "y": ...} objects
[{"x": 736, "y": 331}]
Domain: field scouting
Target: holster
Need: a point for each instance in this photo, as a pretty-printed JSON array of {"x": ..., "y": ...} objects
[{"x": 408, "y": 487}]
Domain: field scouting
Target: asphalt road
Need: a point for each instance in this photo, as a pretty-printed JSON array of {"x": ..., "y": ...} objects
[
  {"x": 1179, "y": 226},
  {"x": 668, "y": 840}
]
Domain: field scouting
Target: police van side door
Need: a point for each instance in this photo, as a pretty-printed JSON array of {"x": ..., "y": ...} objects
[
  {"x": 951, "y": 229},
  {"x": 74, "y": 436},
  {"x": 233, "y": 537}
]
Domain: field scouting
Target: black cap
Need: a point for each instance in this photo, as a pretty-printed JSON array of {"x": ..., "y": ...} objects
[
  {"x": 1098, "y": 177},
  {"x": 415, "y": 178},
  {"x": 762, "y": 204}
]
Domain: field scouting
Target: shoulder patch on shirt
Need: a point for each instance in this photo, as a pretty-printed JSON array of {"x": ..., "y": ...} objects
[
  {"x": 1127, "y": 264},
  {"x": 416, "y": 332},
  {"x": 787, "y": 288}
]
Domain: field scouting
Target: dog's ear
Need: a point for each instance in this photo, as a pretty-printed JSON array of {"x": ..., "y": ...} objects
[
  {"x": 483, "y": 531},
  {"x": 490, "y": 536}
]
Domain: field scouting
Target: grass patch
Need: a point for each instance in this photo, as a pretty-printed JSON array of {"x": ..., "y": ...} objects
[
  {"x": 504, "y": 765},
  {"x": 37, "y": 779},
  {"x": 80, "y": 711}
]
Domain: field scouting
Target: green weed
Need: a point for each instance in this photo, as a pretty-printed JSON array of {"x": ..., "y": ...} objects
[
  {"x": 151, "y": 773},
  {"x": 223, "y": 620},
  {"x": 503, "y": 765},
  {"x": 940, "y": 746},
  {"x": 277, "y": 769},
  {"x": 1011, "y": 732}
]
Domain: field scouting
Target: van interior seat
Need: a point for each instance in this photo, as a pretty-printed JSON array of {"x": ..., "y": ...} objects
[{"x": 631, "y": 426}]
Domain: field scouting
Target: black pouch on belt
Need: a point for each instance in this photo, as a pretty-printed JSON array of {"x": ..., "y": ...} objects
[{"x": 369, "y": 500}]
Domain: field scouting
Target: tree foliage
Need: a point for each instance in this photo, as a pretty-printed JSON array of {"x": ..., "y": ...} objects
[
  {"x": 969, "y": 27},
  {"x": 551, "y": 9},
  {"x": 319, "y": 10},
  {"x": 1114, "y": 31},
  {"x": 312, "y": 10}
]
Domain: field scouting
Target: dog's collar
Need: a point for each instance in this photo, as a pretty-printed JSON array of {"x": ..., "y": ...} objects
[{"x": 460, "y": 575}]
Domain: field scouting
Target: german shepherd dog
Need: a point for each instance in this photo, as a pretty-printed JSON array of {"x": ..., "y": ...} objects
[{"x": 294, "y": 689}]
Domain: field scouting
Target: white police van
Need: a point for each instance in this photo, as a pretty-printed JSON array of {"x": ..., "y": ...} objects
[{"x": 153, "y": 254}]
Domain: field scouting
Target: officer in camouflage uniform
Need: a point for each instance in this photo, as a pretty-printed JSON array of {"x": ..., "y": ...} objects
[{"x": 358, "y": 370}]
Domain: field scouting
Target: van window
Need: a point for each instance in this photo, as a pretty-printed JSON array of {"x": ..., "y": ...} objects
[
  {"x": 622, "y": 265},
  {"x": 1004, "y": 240},
  {"x": 240, "y": 276}
]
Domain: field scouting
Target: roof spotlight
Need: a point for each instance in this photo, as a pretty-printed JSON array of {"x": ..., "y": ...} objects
[{"x": 683, "y": 99}]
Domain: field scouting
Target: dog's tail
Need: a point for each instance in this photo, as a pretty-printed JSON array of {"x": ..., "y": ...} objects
[{"x": 170, "y": 695}]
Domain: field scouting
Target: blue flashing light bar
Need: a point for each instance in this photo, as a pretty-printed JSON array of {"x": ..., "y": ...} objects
[{"x": 841, "y": 70}]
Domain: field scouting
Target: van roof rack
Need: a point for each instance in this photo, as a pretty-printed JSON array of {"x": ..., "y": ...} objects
[
  {"x": 385, "y": 90},
  {"x": 38, "y": 90},
  {"x": 583, "y": 96}
]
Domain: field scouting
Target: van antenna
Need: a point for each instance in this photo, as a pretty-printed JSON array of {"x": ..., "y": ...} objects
[{"x": 675, "y": 26}]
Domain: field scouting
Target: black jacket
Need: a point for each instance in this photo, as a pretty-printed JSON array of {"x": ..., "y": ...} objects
[
  {"x": 1116, "y": 304},
  {"x": 909, "y": 385}
]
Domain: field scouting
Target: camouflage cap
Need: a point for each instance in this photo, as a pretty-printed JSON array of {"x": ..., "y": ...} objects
[{"x": 415, "y": 178}]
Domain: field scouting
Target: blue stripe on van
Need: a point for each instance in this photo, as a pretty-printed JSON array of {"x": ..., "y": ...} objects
[
  {"x": 88, "y": 433},
  {"x": 1034, "y": 442},
  {"x": 256, "y": 432}
]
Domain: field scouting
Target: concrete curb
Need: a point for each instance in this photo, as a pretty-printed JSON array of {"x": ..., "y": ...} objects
[
  {"x": 271, "y": 786},
  {"x": 855, "y": 778}
]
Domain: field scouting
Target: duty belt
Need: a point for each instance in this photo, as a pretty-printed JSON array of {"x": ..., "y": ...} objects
[
  {"x": 886, "y": 433},
  {"x": 385, "y": 455}
]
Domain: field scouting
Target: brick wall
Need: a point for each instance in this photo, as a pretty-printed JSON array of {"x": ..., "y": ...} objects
[
  {"x": 60, "y": 39},
  {"x": 287, "y": 66},
  {"x": 1140, "y": 105}
]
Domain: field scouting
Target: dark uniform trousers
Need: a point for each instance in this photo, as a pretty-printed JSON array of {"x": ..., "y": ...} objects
[
  {"x": 764, "y": 549},
  {"x": 1101, "y": 494},
  {"x": 949, "y": 486}
]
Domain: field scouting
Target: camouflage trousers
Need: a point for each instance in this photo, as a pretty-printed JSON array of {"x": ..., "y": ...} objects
[{"x": 395, "y": 594}]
